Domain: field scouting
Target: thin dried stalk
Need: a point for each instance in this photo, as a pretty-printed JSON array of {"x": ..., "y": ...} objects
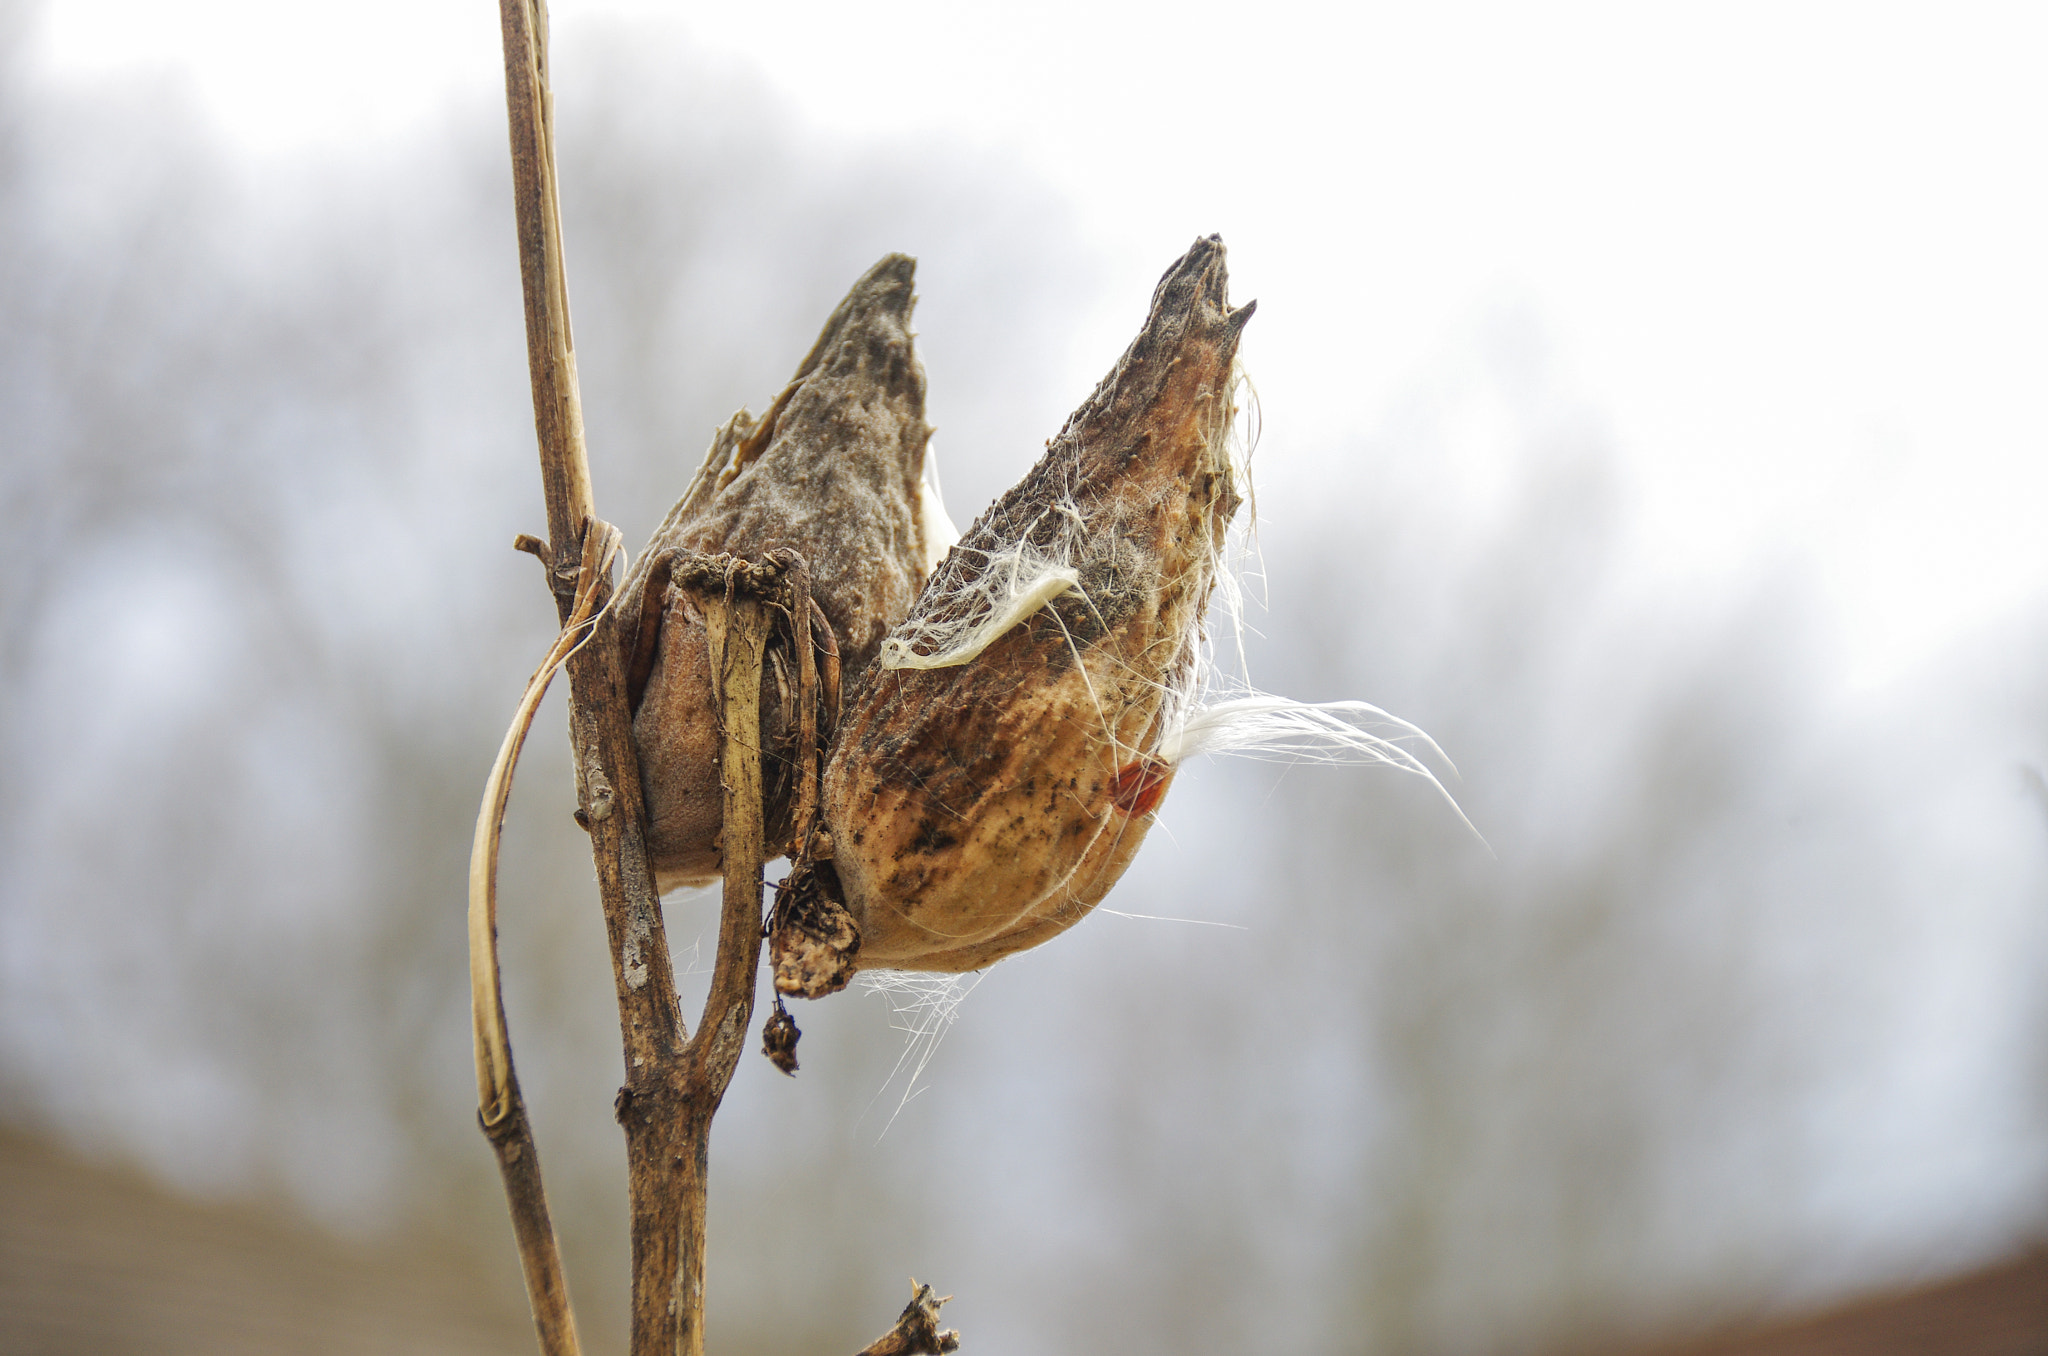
[
  {"x": 486, "y": 1001},
  {"x": 673, "y": 1085},
  {"x": 501, "y": 1111},
  {"x": 608, "y": 776},
  {"x": 540, "y": 1255},
  {"x": 733, "y": 598},
  {"x": 550, "y": 345}
]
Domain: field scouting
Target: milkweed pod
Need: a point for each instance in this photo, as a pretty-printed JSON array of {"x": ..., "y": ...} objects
[
  {"x": 999, "y": 765},
  {"x": 834, "y": 470}
]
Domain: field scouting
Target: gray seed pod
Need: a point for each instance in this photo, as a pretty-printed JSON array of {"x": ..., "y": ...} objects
[{"x": 833, "y": 470}]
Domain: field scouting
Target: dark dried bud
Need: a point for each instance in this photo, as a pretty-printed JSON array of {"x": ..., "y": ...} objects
[
  {"x": 778, "y": 1039},
  {"x": 835, "y": 471},
  {"x": 995, "y": 772}
]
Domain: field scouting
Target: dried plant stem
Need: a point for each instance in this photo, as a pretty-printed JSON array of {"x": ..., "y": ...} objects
[
  {"x": 501, "y": 1111},
  {"x": 550, "y": 344},
  {"x": 540, "y": 1256},
  {"x": 673, "y": 1084},
  {"x": 608, "y": 777},
  {"x": 494, "y": 1074},
  {"x": 736, "y": 615}
]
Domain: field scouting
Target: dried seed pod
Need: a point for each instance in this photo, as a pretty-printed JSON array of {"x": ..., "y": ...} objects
[
  {"x": 833, "y": 470},
  {"x": 997, "y": 769}
]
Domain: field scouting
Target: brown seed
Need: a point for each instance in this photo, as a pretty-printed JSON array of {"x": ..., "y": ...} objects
[
  {"x": 833, "y": 470},
  {"x": 996, "y": 770}
]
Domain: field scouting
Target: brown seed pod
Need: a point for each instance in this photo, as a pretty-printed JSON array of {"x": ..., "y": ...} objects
[
  {"x": 996, "y": 770},
  {"x": 833, "y": 470}
]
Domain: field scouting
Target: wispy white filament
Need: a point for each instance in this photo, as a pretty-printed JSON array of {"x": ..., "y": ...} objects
[
  {"x": 922, "y": 1007},
  {"x": 934, "y": 523},
  {"x": 1016, "y": 588},
  {"x": 1257, "y": 725}
]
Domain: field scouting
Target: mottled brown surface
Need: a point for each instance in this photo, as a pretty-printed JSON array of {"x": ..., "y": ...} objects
[
  {"x": 833, "y": 471},
  {"x": 971, "y": 805}
]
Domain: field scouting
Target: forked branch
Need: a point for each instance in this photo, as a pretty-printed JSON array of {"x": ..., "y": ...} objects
[{"x": 673, "y": 1084}]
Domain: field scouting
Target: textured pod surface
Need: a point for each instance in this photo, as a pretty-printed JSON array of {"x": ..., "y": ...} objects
[
  {"x": 993, "y": 776},
  {"x": 833, "y": 470}
]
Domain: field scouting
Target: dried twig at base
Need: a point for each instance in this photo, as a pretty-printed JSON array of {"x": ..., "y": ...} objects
[{"x": 917, "y": 1331}]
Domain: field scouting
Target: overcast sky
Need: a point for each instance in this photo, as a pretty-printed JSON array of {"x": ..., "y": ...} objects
[{"x": 1791, "y": 252}]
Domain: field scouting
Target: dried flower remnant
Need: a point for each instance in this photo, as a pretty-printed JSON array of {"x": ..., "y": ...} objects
[
  {"x": 995, "y": 772},
  {"x": 779, "y": 1038},
  {"x": 813, "y": 942},
  {"x": 835, "y": 471}
]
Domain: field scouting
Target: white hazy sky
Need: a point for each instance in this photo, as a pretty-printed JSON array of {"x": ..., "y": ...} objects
[{"x": 1792, "y": 252}]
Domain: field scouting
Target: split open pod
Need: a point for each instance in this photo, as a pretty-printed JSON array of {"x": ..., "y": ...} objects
[
  {"x": 999, "y": 764},
  {"x": 834, "y": 471}
]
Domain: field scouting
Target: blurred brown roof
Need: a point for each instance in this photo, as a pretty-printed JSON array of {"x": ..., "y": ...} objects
[
  {"x": 102, "y": 1262},
  {"x": 1999, "y": 1311},
  {"x": 99, "y": 1261}
]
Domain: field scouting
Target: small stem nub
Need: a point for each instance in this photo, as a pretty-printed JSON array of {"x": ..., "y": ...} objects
[{"x": 917, "y": 1331}]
